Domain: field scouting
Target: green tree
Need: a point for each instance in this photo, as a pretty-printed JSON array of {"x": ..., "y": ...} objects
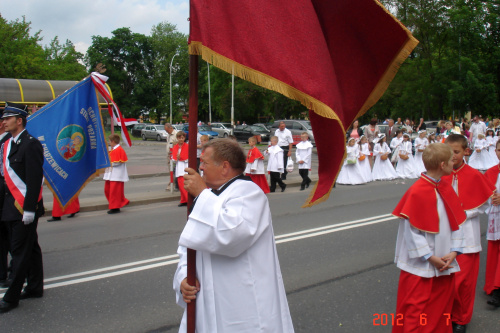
[
  {"x": 128, "y": 58},
  {"x": 63, "y": 61},
  {"x": 20, "y": 54}
]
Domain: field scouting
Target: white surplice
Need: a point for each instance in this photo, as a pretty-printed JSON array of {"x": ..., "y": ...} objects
[
  {"x": 241, "y": 287},
  {"x": 117, "y": 172},
  {"x": 257, "y": 166},
  {"x": 275, "y": 160},
  {"x": 303, "y": 152},
  {"x": 413, "y": 244}
]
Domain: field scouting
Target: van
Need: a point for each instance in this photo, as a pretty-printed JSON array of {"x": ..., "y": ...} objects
[{"x": 297, "y": 127}]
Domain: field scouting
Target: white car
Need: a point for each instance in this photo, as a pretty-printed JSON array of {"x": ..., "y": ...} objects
[
  {"x": 155, "y": 132},
  {"x": 224, "y": 129}
]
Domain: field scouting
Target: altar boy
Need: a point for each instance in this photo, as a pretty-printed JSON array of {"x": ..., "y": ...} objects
[
  {"x": 116, "y": 176},
  {"x": 473, "y": 190},
  {"x": 429, "y": 239}
]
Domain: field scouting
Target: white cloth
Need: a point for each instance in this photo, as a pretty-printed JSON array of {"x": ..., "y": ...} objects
[
  {"x": 492, "y": 155},
  {"x": 257, "y": 166},
  {"x": 351, "y": 174},
  {"x": 303, "y": 152},
  {"x": 198, "y": 143},
  {"x": 494, "y": 218},
  {"x": 477, "y": 128},
  {"x": 413, "y": 244},
  {"x": 419, "y": 163},
  {"x": 275, "y": 160},
  {"x": 241, "y": 287},
  {"x": 364, "y": 165},
  {"x": 382, "y": 170},
  {"x": 406, "y": 168},
  {"x": 117, "y": 172},
  {"x": 284, "y": 137},
  {"x": 471, "y": 227},
  {"x": 480, "y": 161}
]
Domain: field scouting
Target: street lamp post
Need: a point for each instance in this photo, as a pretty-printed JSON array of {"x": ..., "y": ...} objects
[{"x": 177, "y": 53}]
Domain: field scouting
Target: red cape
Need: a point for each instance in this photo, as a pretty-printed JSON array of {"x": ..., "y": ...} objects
[
  {"x": 419, "y": 205},
  {"x": 184, "y": 152},
  {"x": 492, "y": 175},
  {"x": 473, "y": 188},
  {"x": 254, "y": 154},
  {"x": 118, "y": 155}
]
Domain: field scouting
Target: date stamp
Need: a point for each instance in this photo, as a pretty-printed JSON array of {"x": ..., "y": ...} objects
[{"x": 397, "y": 319}]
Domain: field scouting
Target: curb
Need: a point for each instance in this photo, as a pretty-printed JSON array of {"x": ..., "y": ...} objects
[{"x": 146, "y": 201}]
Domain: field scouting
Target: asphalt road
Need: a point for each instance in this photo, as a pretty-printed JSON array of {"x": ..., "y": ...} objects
[{"x": 113, "y": 273}]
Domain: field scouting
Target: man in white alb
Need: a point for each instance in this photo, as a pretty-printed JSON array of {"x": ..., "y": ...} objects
[
  {"x": 239, "y": 284},
  {"x": 477, "y": 127}
]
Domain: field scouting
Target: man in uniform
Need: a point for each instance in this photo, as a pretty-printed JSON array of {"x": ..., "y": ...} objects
[
  {"x": 22, "y": 157},
  {"x": 230, "y": 227},
  {"x": 4, "y": 235}
]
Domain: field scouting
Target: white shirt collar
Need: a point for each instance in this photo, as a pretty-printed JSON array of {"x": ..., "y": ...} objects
[{"x": 17, "y": 136}]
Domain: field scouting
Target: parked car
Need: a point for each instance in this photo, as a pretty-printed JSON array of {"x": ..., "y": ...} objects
[
  {"x": 203, "y": 130},
  {"x": 224, "y": 129},
  {"x": 266, "y": 126},
  {"x": 155, "y": 132},
  {"x": 243, "y": 132},
  {"x": 297, "y": 127},
  {"x": 137, "y": 130}
]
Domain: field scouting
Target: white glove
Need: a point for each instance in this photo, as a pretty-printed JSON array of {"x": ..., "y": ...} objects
[
  {"x": 28, "y": 217},
  {"x": 471, "y": 213}
]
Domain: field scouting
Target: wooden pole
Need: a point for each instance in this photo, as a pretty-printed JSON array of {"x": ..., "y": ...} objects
[{"x": 193, "y": 163}]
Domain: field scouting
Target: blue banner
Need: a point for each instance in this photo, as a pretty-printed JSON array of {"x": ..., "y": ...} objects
[{"x": 71, "y": 132}]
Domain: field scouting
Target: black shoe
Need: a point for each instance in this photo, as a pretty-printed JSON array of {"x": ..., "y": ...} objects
[
  {"x": 5, "y": 283},
  {"x": 272, "y": 190},
  {"x": 302, "y": 188},
  {"x": 53, "y": 219},
  {"x": 182, "y": 204},
  {"x": 6, "y": 306},
  {"x": 30, "y": 294},
  {"x": 307, "y": 184},
  {"x": 283, "y": 177},
  {"x": 114, "y": 211},
  {"x": 283, "y": 188},
  {"x": 73, "y": 214},
  {"x": 457, "y": 328}
]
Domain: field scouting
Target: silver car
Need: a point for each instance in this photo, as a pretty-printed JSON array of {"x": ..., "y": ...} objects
[
  {"x": 224, "y": 129},
  {"x": 155, "y": 132}
]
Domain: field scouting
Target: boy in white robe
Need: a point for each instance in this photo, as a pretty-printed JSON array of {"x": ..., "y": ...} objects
[
  {"x": 230, "y": 227},
  {"x": 275, "y": 164},
  {"x": 303, "y": 154},
  {"x": 429, "y": 239}
]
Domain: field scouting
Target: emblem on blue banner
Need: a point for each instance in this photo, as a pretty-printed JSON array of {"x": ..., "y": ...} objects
[{"x": 71, "y": 143}]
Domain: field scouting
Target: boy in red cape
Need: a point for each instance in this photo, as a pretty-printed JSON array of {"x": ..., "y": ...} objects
[
  {"x": 255, "y": 166},
  {"x": 429, "y": 239},
  {"x": 473, "y": 191},
  {"x": 116, "y": 176},
  {"x": 180, "y": 154},
  {"x": 492, "y": 282}
]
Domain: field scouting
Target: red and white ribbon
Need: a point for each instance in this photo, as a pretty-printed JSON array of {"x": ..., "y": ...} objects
[{"x": 99, "y": 82}]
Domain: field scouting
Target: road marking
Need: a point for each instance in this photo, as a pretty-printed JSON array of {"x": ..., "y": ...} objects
[{"x": 92, "y": 275}]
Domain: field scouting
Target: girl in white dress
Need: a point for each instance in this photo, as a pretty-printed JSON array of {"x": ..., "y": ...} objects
[
  {"x": 382, "y": 168},
  {"x": 491, "y": 141},
  {"x": 406, "y": 163},
  {"x": 351, "y": 173},
  {"x": 364, "y": 161},
  {"x": 479, "y": 158},
  {"x": 420, "y": 143},
  {"x": 395, "y": 146}
]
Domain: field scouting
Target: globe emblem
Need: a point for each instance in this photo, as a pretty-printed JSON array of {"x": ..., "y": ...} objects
[{"x": 71, "y": 143}]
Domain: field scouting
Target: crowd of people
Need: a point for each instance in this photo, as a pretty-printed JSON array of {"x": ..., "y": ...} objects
[{"x": 372, "y": 155}]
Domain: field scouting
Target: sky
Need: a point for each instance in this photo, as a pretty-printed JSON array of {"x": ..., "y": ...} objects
[{"x": 79, "y": 20}]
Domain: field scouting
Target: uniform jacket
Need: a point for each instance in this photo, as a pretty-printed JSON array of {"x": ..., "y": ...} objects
[{"x": 26, "y": 159}]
